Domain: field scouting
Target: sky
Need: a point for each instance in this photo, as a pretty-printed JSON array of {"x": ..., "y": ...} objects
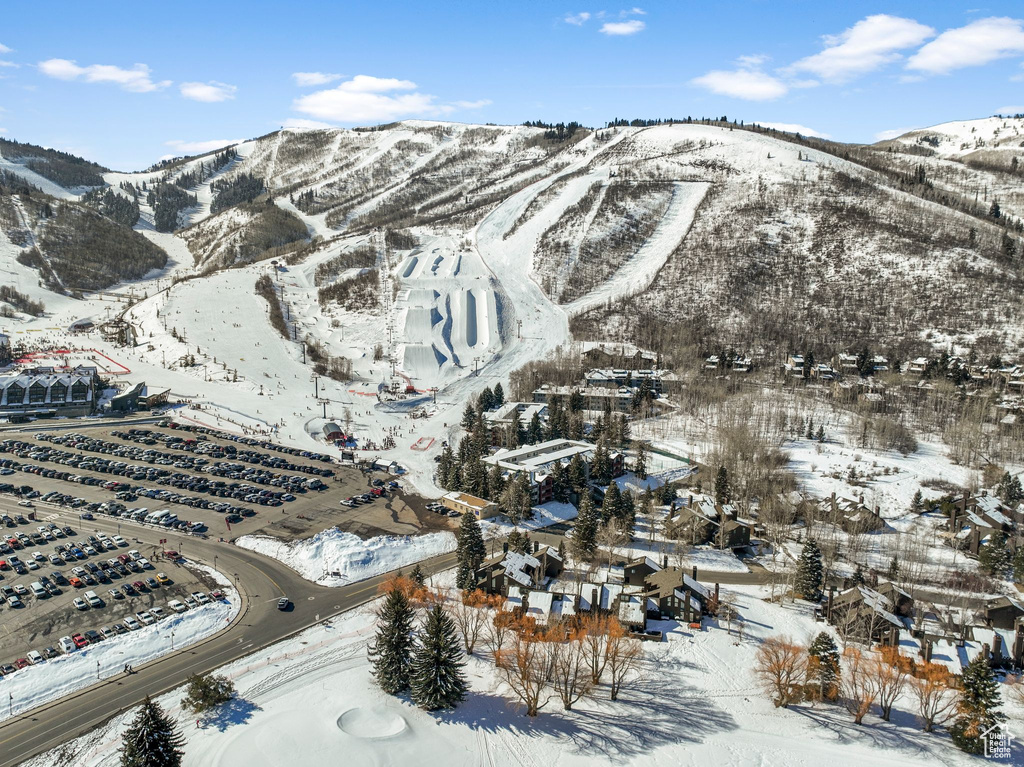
[{"x": 125, "y": 84}]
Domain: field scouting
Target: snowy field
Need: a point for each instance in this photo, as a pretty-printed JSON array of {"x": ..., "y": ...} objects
[
  {"x": 311, "y": 701},
  {"x": 333, "y": 551}
]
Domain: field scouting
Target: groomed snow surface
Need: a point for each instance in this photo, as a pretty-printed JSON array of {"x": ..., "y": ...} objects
[
  {"x": 311, "y": 701},
  {"x": 35, "y": 685},
  {"x": 353, "y": 559}
]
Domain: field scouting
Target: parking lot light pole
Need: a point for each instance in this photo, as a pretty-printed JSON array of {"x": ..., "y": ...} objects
[
  {"x": 97, "y": 669},
  {"x": 172, "y": 640},
  {"x": 10, "y": 700}
]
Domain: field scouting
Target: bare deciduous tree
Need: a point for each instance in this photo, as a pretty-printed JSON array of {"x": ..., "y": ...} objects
[
  {"x": 526, "y": 667},
  {"x": 623, "y": 654},
  {"x": 570, "y": 675},
  {"x": 891, "y": 671},
  {"x": 932, "y": 687},
  {"x": 858, "y": 683},
  {"x": 781, "y": 666}
]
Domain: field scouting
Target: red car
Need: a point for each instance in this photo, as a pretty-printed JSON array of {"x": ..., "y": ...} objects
[
  {"x": 79, "y": 640},
  {"x": 139, "y": 586},
  {"x": 22, "y": 663},
  {"x": 377, "y": 491},
  {"x": 4, "y": 565}
]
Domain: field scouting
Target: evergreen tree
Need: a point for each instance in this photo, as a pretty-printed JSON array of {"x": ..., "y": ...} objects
[
  {"x": 444, "y": 468},
  {"x": 468, "y": 416},
  {"x": 820, "y": 436},
  {"x": 577, "y": 474},
  {"x": 583, "y": 543},
  {"x": 559, "y": 483},
  {"x": 722, "y": 485},
  {"x": 918, "y": 503},
  {"x": 437, "y": 679},
  {"x": 1018, "y": 564},
  {"x": 810, "y": 429},
  {"x": 823, "y": 670},
  {"x": 516, "y": 434},
  {"x": 894, "y": 568},
  {"x": 601, "y": 468},
  {"x": 518, "y": 542},
  {"x": 498, "y": 395},
  {"x": 535, "y": 431},
  {"x": 994, "y": 558},
  {"x": 809, "y": 572},
  {"x": 391, "y": 650},
  {"x": 808, "y": 365},
  {"x": 627, "y": 509},
  {"x": 1009, "y": 490},
  {"x": 486, "y": 400},
  {"x": 611, "y": 507},
  {"x": 977, "y": 710},
  {"x": 495, "y": 483},
  {"x": 417, "y": 575},
  {"x": 152, "y": 739},
  {"x": 206, "y": 692},
  {"x": 470, "y": 549},
  {"x": 640, "y": 462},
  {"x": 858, "y": 575}
]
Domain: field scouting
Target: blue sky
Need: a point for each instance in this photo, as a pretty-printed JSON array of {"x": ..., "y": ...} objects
[{"x": 127, "y": 83}]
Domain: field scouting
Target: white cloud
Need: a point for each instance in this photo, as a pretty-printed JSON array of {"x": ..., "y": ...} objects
[
  {"x": 637, "y": 11},
  {"x": 622, "y": 28},
  {"x": 306, "y": 79},
  {"x": 803, "y": 130},
  {"x": 472, "y": 104},
  {"x": 137, "y": 79},
  {"x": 297, "y": 123},
  {"x": 1011, "y": 110},
  {"x": 365, "y": 99},
  {"x": 977, "y": 43},
  {"x": 748, "y": 84},
  {"x": 210, "y": 92},
  {"x": 4, "y": 48},
  {"x": 885, "y": 135},
  {"x": 7, "y": 63},
  {"x": 578, "y": 19},
  {"x": 200, "y": 147},
  {"x": 864, "y": 47}
]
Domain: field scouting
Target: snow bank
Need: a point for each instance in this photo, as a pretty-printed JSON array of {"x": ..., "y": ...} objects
[
  {"x": 35, "y": 685},
  {"x": 352, "y": 558}
]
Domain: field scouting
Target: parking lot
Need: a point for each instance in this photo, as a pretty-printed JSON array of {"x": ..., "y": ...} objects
[
  {"x": 125, "y": 580},
  {"x": 212, "y": 485},
  {"x": 258, "y": 487}
]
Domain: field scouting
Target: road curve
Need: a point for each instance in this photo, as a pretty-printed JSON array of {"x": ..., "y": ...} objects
[{"x": 261, "y": 581}]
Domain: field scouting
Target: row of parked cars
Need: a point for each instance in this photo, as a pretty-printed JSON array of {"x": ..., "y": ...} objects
[
  {"x": 200, "y": 445},
  {"x": 68, "y": 644},
  {"x": 438, "y": 508},
  {"x": 250, "y": 485},
  {"x": 202, "y": 431}
]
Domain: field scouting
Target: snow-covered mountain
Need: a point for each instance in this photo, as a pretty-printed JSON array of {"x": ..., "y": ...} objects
[{"x": 682, "y": 234}]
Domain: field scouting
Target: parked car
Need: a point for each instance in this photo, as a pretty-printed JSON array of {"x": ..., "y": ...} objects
[
  {"x": 145, "y": 618},
  {"x": 80, "y": 604},
  {"x": 131, "y": 623},
  {"x": 79, "y": 640}
]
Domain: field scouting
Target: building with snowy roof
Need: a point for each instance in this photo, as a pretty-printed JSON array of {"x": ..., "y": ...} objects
[
  {"x": 46, "y": 392},
  {"x": 538, "y": 461}
]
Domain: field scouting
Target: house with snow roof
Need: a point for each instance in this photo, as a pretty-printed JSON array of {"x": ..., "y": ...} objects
[
  {"x": 537, "y": 462},
  {"x": 702, "y": 520},
  {"x": 853, "y": 516},
  {"x": 511, "y": 569},
  {"x": 974, "y": 520},
  {"x": 869, "y": 614}
]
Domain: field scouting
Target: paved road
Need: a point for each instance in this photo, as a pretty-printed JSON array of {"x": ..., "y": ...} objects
[{"x": 262, "y": 582}]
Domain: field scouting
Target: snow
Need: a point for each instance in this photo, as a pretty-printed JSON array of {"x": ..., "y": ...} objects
[
  {"x": 41, "y": 182},
  {"x": 544, "y": 515},
  {"x": 961, "y": 138},
  {"x": 353, "y": 559},
  {"x": 639, "y": 272},
  {"x": 311, "y": 700},
  {"x": 34, "y": 685}
]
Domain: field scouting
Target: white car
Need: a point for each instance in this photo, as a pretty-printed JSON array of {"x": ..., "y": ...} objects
[
  {"x": 66, "y": 645},
  {"x": 120, "y": 541},
  {"x": 35, "y": 657},
  {"x": 131, "y": 624},
  {"x": 145, "y": 618},
  {"x": 80, "y": 604},
  {"x": 200, "y": 597},
  {"x": 177, "y": 606},
  {"x": 158, "y": 613},
  {"x": 144, "y": 563}
]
